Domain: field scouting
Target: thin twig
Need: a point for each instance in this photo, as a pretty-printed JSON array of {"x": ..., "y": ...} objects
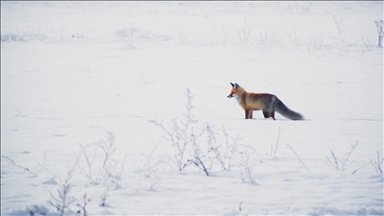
[
  {"x": 360, "y": 168},
  {"x": 379, "y": 162},
  {"x": 14, "y": 163},
  {"x": 298, "y": 157},
  {"x": 277, "y": 143},
  {"x": 335, "y": 159}
]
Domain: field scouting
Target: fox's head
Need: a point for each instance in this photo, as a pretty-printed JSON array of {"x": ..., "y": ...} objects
[{"x": 235, "y": 90}]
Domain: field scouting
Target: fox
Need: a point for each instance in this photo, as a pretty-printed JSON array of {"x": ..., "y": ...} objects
[{"x": 267, "y": 103}]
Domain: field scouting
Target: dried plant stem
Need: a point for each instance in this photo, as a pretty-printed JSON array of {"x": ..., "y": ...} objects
[{"x": 298, "y": 157}]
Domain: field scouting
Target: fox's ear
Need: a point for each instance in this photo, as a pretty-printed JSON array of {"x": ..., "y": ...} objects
[
  {"x": 237, "y": 86},
  {"x": 232, "y": 84}
]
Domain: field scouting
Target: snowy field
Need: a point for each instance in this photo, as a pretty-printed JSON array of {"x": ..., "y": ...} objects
[{"x": 92, "y": 93}]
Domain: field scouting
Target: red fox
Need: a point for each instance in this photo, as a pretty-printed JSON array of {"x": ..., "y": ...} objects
[{"x": 268, "y": 103}]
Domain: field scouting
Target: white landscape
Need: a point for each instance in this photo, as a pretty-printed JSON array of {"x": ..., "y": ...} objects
[{"x": 92, "y": 93}]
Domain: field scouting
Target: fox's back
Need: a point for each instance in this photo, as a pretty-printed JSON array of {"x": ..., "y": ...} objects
[
  {"x": 251, "y": 101},
  {"x": 257, "y": 101}
]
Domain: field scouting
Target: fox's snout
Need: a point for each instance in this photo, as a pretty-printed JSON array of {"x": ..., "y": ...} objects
[{"x": 230, "y": 96}]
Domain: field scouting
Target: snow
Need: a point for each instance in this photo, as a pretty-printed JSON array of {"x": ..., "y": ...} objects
[{"x": 78, "y": 78}]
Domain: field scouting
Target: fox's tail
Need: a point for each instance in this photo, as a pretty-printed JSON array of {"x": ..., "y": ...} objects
[{"x": 286, "y": 112}]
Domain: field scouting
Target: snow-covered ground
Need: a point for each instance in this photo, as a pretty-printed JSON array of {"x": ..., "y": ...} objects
[{"x": 81, "y": 81}]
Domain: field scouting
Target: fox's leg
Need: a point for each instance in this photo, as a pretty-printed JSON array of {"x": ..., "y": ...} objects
[
  {"x": 272, "y": 114},
  {"x": 248, "y": 114},
  {"x": 265, "y": 113}
]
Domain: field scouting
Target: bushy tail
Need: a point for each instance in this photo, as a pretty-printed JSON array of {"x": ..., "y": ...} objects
[{"x": 286, "y": 112}]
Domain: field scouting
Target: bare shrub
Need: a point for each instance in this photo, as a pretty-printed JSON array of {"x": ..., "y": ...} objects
[
  {"x": 378, "y": 164},
  {"x": 335, "y": 163},
  {"x": 245, "y": 33},
  {"x": 189, "y": 149},
  {"x": 83, "y": 206},
  {"x": 63, "y": 200},
  {"x": 246, "y": 167},
  {"x": 181, "y": 135}
]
